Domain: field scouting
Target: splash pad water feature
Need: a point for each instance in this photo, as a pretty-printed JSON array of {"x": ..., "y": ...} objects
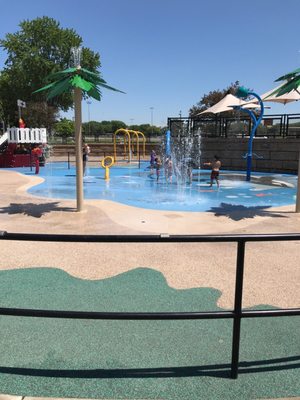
[
  {"x": 133, "y": 183},
  {"x": 189, "y": 189},
  {"x": 184, "y": 147},
  {"x": 136, "y": 187}
]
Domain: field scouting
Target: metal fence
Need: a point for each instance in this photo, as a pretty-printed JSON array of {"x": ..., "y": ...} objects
[
  {"x": 273, "y": 126},
  {"x": 236, "y": 314}
]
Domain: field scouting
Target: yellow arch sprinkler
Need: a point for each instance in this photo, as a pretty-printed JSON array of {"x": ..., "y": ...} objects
[
  {"x": 144, "y": 142},
  {"x": 137, "y": 141},
  {"x": 131, "y": 132},
  {"x": 126, "y": 135},
  {"x": 106, "y": 163},
  {"x": 129, "y": 143}
]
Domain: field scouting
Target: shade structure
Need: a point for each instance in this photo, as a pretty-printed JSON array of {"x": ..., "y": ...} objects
[
  {"x": 227, "y": 103},
  {"x": 293, "y": 95}
]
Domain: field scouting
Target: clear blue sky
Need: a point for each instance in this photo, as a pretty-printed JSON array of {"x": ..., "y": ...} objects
[{"x": 167, "y": 54}]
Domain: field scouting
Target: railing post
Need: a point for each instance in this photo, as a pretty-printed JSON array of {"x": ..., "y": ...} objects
[
  {"x": 238, "y": 299},
  {"x": 298, "y": 187},
  {"x": 30, "y": 159}
]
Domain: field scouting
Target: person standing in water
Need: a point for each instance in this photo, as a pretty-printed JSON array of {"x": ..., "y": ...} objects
[
  {"x": 85, "y": 156},
  {"x": 168, "y": 169},
  {"x": 157, "y": 166},
  {"x": 152, "y": 161},
  {"x": 37, "y": 153},
  {"x": 215, "y": 170}
]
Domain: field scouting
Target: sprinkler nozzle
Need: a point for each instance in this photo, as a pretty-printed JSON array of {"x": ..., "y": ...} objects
[{"x": 242, "y": 92}]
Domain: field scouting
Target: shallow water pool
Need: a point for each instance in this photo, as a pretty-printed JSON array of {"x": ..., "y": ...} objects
[{"x": 137, "y": 187}]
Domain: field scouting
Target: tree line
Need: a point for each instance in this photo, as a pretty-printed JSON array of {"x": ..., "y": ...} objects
[
  {"x": 42, "y": 47},
  {"x": 39, "y": 48},
  {"x": 65, "y": 128}
]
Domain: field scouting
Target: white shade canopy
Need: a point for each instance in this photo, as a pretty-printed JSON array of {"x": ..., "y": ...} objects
[
  {"x": 293, "y": 95},
  {"x": 227, "y": 103}
]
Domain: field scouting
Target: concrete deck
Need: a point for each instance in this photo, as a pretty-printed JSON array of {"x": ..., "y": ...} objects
[
  {"x": 273, "y": 284},
  {"x": 272, "y": 269}
]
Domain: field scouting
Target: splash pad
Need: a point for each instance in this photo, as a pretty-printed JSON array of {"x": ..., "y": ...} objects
[{"x": 136, "y": 187}]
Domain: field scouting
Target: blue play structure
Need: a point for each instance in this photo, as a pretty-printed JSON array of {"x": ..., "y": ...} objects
[
  {"x": 168, "y": 142},
  {"x": 242, "y": 92}
]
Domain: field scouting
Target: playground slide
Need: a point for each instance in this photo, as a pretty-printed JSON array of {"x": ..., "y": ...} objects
[{"x": 3, "y": 138}]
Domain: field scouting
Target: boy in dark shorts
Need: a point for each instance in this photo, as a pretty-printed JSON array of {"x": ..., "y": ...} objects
[{"x": 215, "y": 170}]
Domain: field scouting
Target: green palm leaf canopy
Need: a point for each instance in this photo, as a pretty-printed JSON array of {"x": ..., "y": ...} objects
[
  {"x": 65, "y": 81},
  {"x": 288, "y": 76},
  {"x": 292, "y": 83}
]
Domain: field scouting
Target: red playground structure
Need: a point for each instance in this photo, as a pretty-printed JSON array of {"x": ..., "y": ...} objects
[{"x": 23, "y": 147}]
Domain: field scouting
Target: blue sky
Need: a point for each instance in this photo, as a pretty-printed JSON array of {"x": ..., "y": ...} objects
[{"x": 167, "y": 54}]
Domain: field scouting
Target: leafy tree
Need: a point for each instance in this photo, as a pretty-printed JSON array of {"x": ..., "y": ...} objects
[
  {"x": 93, "y": 128},
  {"x": 212, "y": 98},
  {"x": 64, "y": 128},
  {"x": 145, "y": 128},
  {"x": 99, "y": 130},
  {"x": 40, "y": 115},
  {"x": 1, "y": 111},
  {"x": 41, "y": 47},
  {"x": 107, "y": 126},
  {"x": 117, "y": 125},
  {"x": 96, "y": 129},
  {"x": 148, "y": 129},
  {"x": 134, "y": 127}
]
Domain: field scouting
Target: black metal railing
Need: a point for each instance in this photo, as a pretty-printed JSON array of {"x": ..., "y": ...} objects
[
  {"x": 272, "y": 126},
  {"x": 237, "y": 314}
]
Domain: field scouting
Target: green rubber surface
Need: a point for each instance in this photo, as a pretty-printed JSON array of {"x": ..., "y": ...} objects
[{"x": 137, "y": 359}]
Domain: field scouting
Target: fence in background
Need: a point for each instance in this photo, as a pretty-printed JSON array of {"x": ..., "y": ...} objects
[{"x": 272, "y": 126}]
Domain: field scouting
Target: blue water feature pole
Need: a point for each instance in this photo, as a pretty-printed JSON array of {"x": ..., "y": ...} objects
[
  {"x": 243, "y": 92},
  {"x": 168, "y": 143}
]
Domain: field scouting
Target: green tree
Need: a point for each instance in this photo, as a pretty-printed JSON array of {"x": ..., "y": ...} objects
[
  {"x": 93, "y": 128},
  {"x": 41, "y": 47},
  {"x": 117, "y": 125},
  {"x": 96, "y": 128},
  {"x": 39, "y": 114},
  {"x": 107, "y": 126},
  {"x": 64, "y": 128},
  {"x": 145, "y": 128},
  {"x": 134, "y": 127},
  {"x": 212, "y": 98}
]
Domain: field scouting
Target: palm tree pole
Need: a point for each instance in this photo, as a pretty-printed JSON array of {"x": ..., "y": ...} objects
[
  {"x": 79, "y": 80},
  {"x": 292, "y": 82},
  {"x": 78, "y": 147}
]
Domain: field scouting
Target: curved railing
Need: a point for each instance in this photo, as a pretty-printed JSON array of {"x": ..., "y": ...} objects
[{"x": 236, "y": 314}]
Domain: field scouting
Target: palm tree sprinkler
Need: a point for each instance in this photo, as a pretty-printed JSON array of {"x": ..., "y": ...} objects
[
  {"x": 79, "y": 80},
  {"x": 292, "y": 83}
]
